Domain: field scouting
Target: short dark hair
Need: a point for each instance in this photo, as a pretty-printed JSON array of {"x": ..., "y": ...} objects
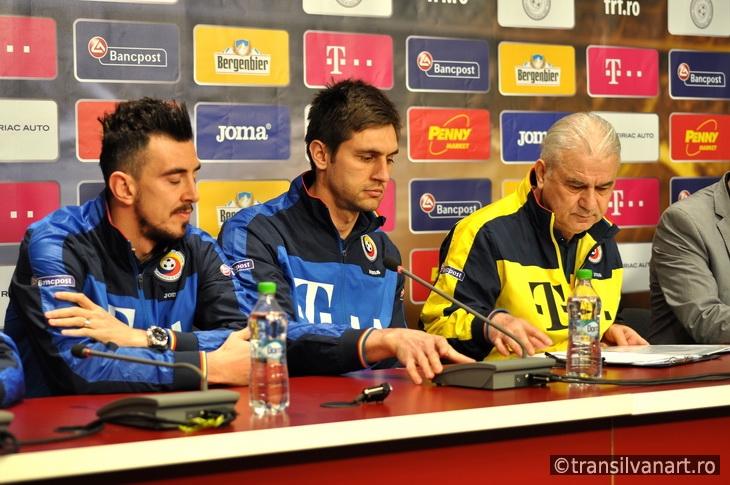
[
  {"x": 127, "y": 131},
  {"x": 345, "y": 108}
]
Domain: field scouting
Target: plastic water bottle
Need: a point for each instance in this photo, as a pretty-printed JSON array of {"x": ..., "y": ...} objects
[
  {"x": 584, "y": 315},
  {"x": 269, "y": 384}
]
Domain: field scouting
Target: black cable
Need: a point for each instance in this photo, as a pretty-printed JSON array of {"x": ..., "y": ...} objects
[
  {"x": 711, "y": 377},
  {"x": 8, "y": 443},
  {"x": 369, "y": 394},
  {"x": 209, "y": 418}
]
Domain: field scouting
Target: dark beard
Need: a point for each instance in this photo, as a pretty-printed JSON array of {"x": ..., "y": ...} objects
[{"x": 160, "y": 237}]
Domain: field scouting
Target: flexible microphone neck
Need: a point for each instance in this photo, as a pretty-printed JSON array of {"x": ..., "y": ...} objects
[
  {"x": 393, "y": 265},
  {"x": 81, "y": 351}
]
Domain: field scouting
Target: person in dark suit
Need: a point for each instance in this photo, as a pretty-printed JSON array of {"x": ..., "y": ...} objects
[{"x": 690, "y": 259}]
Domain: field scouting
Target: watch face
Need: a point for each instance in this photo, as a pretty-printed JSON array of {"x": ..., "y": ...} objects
[{"x": 157, "y": 337}]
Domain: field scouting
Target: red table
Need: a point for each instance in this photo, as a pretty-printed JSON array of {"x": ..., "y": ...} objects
[{"x": 420, "y": 434}]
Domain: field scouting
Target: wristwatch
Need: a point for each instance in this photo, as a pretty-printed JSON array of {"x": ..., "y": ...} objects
[{"x": 157, "y": 338}]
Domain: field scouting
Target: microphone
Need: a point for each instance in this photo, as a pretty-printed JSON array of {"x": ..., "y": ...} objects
[
  {"x": 163, "y": 410},
  {"x": 82, "y": 351},
  {"x": 495, "y": 374}
]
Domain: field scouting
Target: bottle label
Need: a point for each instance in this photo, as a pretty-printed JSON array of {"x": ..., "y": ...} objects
[
  {"x": 272, "y": 350},
  {"x": 590, "y": 328}
]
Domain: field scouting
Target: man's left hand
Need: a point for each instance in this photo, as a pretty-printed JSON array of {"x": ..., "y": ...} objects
[
  {"x": 87, "y": 319},
  {"x": 618, "y": 334}
]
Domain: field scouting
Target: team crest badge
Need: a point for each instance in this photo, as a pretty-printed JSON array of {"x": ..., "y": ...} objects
[
  {"x": 368, "y": 247},
  {"x": 596, "y": 255},
  {"x": 536, "y": 9},
  {"x": 171, "y": 266}
]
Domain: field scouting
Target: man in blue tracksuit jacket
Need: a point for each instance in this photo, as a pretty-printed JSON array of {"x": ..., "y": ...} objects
[
  {"x": 126, "y": 273},
  {"x": 12, "y": 385},
  {"x": 321, "y": 241}
]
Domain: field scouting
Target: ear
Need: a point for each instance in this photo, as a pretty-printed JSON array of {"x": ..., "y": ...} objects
[
  {"x": 319, "y": 153},
  {"x": 122, "y": 187},
  {"x": 540, "y": 171}
]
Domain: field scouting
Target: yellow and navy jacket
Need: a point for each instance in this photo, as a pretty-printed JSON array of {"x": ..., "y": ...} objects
[
  {"x": 325, "y": 284},
  {"x": 507, "y": 256}
]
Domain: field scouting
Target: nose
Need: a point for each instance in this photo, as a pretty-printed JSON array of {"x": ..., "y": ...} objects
[
  {"x": 382, "y": 170},
  {"x": 589, "y": 199},
  {"x": 191, "y": 190}
]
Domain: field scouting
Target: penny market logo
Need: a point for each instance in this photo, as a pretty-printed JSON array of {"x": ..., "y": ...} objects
[
  {"x": 702, "y": 139},
  {"x": 243, "y": 59},
  {"x": 446, "y": 137},
  {"x": 537, "y": 72}
]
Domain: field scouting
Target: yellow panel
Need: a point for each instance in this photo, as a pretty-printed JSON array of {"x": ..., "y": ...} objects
[{"x": 221, "y": 199}]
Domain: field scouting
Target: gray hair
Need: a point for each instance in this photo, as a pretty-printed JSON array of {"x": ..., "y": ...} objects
[{"x": 583, "y": 132}]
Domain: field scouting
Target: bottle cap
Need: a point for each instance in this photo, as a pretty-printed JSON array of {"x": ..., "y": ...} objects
[
  {"x": 582, "y": 274},
  {"x": 267, "y": 287}
]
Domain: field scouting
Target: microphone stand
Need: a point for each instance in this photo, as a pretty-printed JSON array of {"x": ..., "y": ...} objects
[
  {"x": 163, "y": 410},
  {"x": 492, "y": 374}
]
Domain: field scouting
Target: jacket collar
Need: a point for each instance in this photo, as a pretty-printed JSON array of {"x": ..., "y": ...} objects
[{"x": 366, "y": 222}]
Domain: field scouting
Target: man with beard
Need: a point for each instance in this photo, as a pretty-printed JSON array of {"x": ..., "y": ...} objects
[{"x": 127, "y": 274}]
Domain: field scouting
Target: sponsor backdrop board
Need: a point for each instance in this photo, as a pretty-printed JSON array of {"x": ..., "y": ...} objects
[{"x": 478, "y": 83}]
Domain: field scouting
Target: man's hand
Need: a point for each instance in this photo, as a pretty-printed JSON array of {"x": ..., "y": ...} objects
[
  {"x": 414, "y": 349},
  {"x": 87, "y": 319},
  {"x": 618, "y": 334},
  {"x": 529, "y": 334},
  {"x": 230, "y": 364}
]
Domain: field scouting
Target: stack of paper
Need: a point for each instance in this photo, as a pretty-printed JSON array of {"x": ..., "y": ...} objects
[{"x": 654, "y": 355}]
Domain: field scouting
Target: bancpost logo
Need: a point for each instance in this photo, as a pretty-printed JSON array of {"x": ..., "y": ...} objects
[
  {"x": 536, "y": 69},
  {"x": 23, "y": 204},
  {"x": 88, "y": 128},
  {"x": 699, "y": 137},
  {"x": 682, "y": 187},
  {"x": 222, "y": 199},
  {"x": 27, "y": 48},
  {"x": 451, "y": 65},
  {"x": 438, "y": 134},
  {"x": 234, "y": 132},
  {"x": 435, "y": 205},
  {"x": 638, "y": 132},
  {"x": 355, "y": 8},
  {"x": 552, "y": 14},
  {"x": 28, "y": 130},
  {"x": 635, "y": 202},
  {"x": 126, "y": 51},
  {"x": 622, "y": 72},
  {"x": 240, "y": 57},
  {"x": 333, "y": 56},
  {"x": 699, "y": 75},
  {"x": 523, "y": 132}
]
